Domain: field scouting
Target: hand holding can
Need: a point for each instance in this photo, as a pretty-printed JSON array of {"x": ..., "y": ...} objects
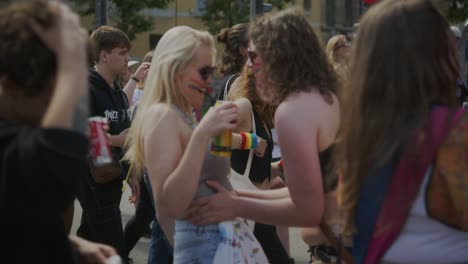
[{"x": 100, "y": 149}]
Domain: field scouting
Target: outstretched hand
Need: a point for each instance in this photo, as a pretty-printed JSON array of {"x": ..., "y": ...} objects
[{"x": 214, "y": 208}]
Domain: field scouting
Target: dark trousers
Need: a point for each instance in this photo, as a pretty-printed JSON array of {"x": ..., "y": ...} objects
[
  {"x": 138, "y": 224},
  {"x": 271, "y": 244},
  {"x": 101, "y": 219}
]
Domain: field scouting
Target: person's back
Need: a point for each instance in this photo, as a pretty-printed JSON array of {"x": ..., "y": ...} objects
[
  {"x": 398, "y": 117},
  {"x": 42, "y": 151},
  {"x": 34, "y": 212}
]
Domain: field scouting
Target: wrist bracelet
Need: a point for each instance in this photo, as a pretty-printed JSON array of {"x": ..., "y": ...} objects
[
  {"x": 133, "y": 77},
  {"x": 249, "y": 140},
  {"x": 243, "y": 140},
  {"x": 254, "y": 141}
]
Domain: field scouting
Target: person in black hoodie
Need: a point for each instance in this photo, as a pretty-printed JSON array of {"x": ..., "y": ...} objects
[
  {"x": 101, "y": 219},
  {"x": 43, "y": 126}
]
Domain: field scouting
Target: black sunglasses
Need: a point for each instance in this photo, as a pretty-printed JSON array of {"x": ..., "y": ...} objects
[
  {"x": 206, "y": 72},
  {"x": 252, "y": 55}
]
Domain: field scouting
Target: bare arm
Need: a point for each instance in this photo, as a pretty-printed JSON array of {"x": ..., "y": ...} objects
[
  {"x": 129, "y": 90},
  {"x": 68, "y": 108},
  {"x": 140, "y": 74},
  {"x": 245, "y": 115},
  {"x": 305, "y": 206},
  {"x": 245, "y": 125},
  {"x": 265, "y": 194},
  {"x": 175, "y": 173},
  {"x": 299, "y": 151}
]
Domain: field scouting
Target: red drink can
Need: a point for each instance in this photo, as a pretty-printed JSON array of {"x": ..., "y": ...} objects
[{"x": 100, "y": 149}]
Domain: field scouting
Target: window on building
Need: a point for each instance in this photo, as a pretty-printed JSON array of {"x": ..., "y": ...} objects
[
  {"x": 153, "y": 40},
  {"x": 201, "y": 7},
  {"x": 307, "y": 5}
]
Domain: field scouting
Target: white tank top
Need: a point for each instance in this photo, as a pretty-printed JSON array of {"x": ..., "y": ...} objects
[{"x": 424, "y": 240}]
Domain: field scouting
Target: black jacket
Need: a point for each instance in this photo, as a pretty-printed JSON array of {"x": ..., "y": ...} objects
[{"x": 109, "y": 102}]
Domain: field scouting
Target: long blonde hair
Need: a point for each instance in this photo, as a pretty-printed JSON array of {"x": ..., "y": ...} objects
[
  {"x": 174, "y": 53},
  {"x": 331, "y": 47}
]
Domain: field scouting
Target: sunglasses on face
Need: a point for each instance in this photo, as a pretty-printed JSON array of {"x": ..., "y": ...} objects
[
  {"x": 206, "y": 72},
  {"x": 344, "y": 44},
  {"x": 252, "y": 54}
]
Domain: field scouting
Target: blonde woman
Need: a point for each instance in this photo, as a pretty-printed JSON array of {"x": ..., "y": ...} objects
[
  {"x": 338, "y": 51},
  {"x": 166, "y": 140}
]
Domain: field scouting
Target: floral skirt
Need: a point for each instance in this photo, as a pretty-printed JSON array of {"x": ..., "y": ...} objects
[{"x": 227, "y": 242}]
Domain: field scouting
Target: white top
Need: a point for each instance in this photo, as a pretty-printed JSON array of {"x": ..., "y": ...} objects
[
  {"x": 137, "y": 94},
  {"x": 424, "y": 240},
  {"x": 276, "y": 150}
]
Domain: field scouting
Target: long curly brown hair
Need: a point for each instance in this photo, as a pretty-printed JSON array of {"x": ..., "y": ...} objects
[
  {"x": 392, "y": 84},
  {"x": 246, "y": 89},
  {"x": 294, "y": 59}
]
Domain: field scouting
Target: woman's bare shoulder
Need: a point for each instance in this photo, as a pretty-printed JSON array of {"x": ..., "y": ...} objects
[
  {"x": 309, "y": 105},
  {"x": 160, "y": 116}
]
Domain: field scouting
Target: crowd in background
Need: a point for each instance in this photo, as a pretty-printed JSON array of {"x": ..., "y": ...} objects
[{"x": 372, "y": 137}]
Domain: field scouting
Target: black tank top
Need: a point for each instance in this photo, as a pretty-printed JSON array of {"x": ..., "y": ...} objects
[{"x": 261, "y": 166}]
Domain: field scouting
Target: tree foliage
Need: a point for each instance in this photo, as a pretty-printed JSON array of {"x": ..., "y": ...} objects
[
  {"x": 457, "y": 11},
  {"x": 222, "y": 13},
  {"x": 126, "y": 14}
]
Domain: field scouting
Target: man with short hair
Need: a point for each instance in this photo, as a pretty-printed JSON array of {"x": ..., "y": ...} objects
[
  {"x": 101, "y": 219},
  {"x": 43, "y": 133}
]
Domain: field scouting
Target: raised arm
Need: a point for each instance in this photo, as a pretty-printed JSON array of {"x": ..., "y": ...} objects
[
  {"x": 69, "y": 107},
  {"x": 139, "y": 75}
]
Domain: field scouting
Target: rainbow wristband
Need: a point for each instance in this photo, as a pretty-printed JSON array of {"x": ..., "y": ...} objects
[
  {"x": 254, "y": 141},
  {"x": 248, "y": 141},
  {"x": 243, "y": 140}
]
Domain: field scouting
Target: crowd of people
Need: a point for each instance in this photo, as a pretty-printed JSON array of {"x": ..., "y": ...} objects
[{"x": 372, "y": 134}]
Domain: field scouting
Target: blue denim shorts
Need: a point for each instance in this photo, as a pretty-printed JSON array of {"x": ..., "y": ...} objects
[{"x": 195, "y": 244}]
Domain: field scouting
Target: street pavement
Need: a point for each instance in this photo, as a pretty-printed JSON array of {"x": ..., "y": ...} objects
[{"x": 140, "y": 253}]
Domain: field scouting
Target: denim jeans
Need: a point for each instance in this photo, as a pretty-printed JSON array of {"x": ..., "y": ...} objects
[
  {"x": 195, "y": 244},
  {"x": 160, "y": 251},
  {"x": 101, "y": 219}
]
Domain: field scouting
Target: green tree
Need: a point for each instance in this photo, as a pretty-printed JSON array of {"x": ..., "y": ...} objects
[
  {"x": 458, "y": 11},
  {"x": 223, "y": 13},
  {"x": 126, "y": 14}
]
